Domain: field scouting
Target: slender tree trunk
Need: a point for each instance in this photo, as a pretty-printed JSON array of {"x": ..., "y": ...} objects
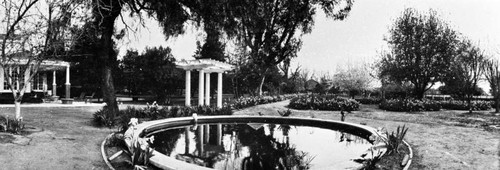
[
  {"x": 261, "y": 85},
  {"x": 497, "y": 103},
  {"x": 17, "y": 104},
  {"x": 469, "y": 103}
]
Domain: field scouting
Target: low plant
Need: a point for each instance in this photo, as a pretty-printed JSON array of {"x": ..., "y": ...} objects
[
  {"x": 104, "y": 117},
  {"x": 394, "y": 140},
  {"x": 285, "y": 113},
  {"x": 11, "y": 125},
  {"x": 371, "y": 163}
]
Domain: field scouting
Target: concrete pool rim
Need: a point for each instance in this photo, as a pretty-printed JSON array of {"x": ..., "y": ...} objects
[{"x": 162, "y": 161}]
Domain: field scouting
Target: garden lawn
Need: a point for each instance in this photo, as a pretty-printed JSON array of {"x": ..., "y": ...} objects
[
  {"x": 438, "y": 139},
  {"x": 68, "y": 140}
]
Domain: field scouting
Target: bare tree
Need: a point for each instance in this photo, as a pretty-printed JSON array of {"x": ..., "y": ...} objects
[
  {"x": 34, "y": 31},
  {"x": 492, "y": 73}
]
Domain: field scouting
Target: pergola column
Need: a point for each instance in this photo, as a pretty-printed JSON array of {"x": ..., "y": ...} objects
[
  {"x": 68, "y": 85},
  {"x": 207, "y": 91},
  {"x": 200, "y": 87},
  {"x": 219, "y": 89},
  {"x": 188, "y": 88},
  {"x": 54, "y": 84}
]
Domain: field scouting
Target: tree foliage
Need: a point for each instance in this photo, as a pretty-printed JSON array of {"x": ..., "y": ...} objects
[
  {"x": 152, "y": 72},
  {"x": 271, "y": 30},
  {"x": 421, "y": 50},
  {"x": 35, "y": 31},
  {"x": 353, "y": 80},
  {"x": 465, "y": 71},
  {"x": 492, "y": 73}
]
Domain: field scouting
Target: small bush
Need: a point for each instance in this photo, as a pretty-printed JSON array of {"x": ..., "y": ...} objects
[
  {"x": 104, "y": 117},
  {"x": 11, "y": 125},
  {"x": 322, "y": 102},
  {"x": 410, "y": 105}
]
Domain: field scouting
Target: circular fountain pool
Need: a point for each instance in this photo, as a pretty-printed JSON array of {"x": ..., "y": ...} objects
[{"x": 248, "y": 142}]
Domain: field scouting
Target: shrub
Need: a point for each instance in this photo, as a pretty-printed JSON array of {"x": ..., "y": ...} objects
[
  {"x": 104, "y": 117},
  {"x": 323, "y": 102},
  {"x": 11, "y": 125},
  {"x": 409, "y": 105}
]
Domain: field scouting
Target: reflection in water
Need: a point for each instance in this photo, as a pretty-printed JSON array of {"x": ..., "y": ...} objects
[{"x": 261, "y": 146}]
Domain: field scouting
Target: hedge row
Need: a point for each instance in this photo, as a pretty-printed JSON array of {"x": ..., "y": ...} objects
[
  {"x": 411, "y": 105},
  {"x": 322, "y": 102},
  {"x": 104, "y": 117},
  {"x": 463, "y": 105}
]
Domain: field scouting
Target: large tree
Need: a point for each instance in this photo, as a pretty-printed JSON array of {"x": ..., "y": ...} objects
[
  {"x": 492, "y": 72},
  {"x": 421, "y": 50},
  {"x": 271, "y": 30},
  {"x": 213, "y": 17},
  {"x": 353, "y": 80},
  {"x": 171, "y": 15},
  {"x": 34, "y": 31},
  {"x": 152, "y": 72},
  {"x": 465, "y": 70}
]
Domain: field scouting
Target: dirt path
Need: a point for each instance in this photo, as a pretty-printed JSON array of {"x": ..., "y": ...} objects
[
  {"x": 68, "y": 140},
  {"x": 437, "y": 146}
]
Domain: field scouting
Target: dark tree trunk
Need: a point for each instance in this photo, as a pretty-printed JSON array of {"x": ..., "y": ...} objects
[
  {"x": 105, "y": 20},
  {"x": 497, "y": 103},
  {"x": 419, "y": 92}
]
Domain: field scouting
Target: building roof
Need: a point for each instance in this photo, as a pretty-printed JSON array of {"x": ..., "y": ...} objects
[
  {"x": 207, "y": 65},
  {"x": 22, "y": 58}
]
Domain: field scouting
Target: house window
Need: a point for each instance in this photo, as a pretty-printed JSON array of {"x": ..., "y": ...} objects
[
  {"x": 17, "y": 74},
  {"x": 37, "y": 82}
]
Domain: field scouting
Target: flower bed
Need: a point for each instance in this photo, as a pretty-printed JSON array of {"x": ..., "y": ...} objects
[
  {"x": 244, "y": 102},
  {"x": 410, "y": 105},
  {"x": 323, "y": 102},
  {"x": 414, "y": 105}
]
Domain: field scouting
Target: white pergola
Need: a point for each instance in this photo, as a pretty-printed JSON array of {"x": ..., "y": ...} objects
[{"x": 205, "y": 68}]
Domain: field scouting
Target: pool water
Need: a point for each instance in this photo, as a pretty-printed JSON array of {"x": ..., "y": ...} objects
[{"x": 261, "y": 146}]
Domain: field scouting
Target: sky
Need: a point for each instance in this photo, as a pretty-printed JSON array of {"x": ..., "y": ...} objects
[{"x": 357, "y": 40}]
